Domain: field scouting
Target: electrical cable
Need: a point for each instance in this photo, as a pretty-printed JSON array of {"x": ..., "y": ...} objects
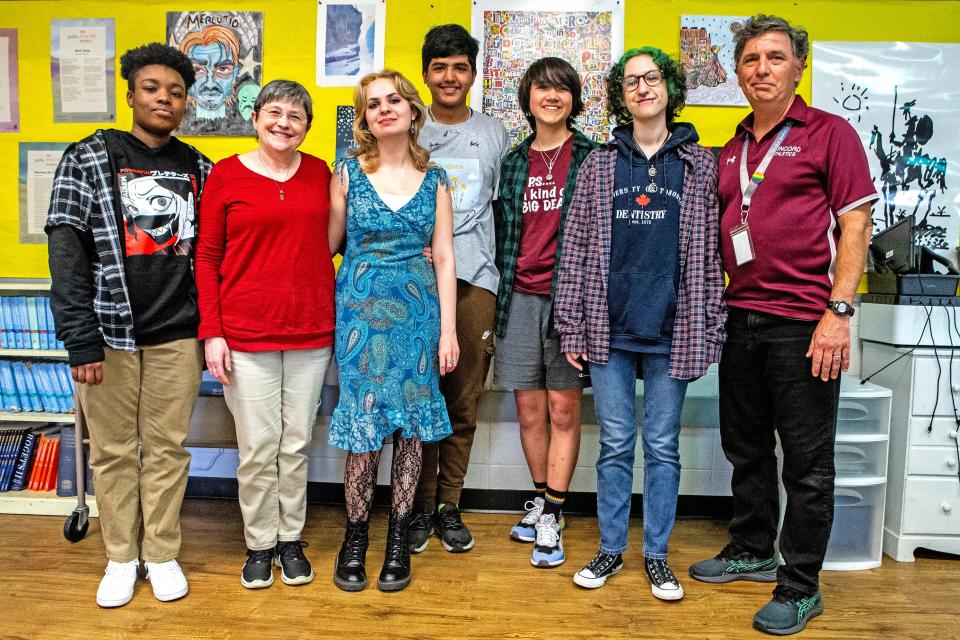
[{"x": 923, "y": 330}]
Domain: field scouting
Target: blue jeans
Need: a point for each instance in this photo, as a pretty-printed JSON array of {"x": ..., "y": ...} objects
[{"x": 614, "y": 397}]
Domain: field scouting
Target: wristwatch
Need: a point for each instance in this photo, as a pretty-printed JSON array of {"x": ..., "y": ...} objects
[{"x": 841, "y": 307}]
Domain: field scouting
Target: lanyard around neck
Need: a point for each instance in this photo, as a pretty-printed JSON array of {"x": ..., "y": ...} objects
[{"x": 748, "y": 183}]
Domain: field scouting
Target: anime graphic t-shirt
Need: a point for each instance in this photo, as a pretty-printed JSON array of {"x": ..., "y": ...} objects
[{"x": 156, "y": 193}]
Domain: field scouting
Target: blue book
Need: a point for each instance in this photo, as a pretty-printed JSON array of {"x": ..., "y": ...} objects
[
  {"x": 13, "y": 331},
  {"x": 21, "y": 385},
  {"x": 42, "y": 322},
  {"x": 10, "y": 320},
  {"x": 62, "y": 371},
  {"x": 6, "y": 325},
  {"x": 10, "y": 457},
  {"x": 52, "y": 326},
  {"x": 33, "y": 323},
  {"x": 33, "y": 392},
  {"x": 6, "y": 443},
  {"x": 9, "y": 401},
  {"x": 63, "y": 404},
  {"x": 67, "y": 465},
  {"x": 46, "y": 401},
  {"x": 49, "y": 393},
  {"x": 22, "y": 324},
  {"x": 21, "y": 472}
]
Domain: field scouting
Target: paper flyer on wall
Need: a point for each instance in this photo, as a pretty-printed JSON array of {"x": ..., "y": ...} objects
[
  {"x": 82, "y": 70},
  {"x": 350, "y": 40},
  {"x": 37, "y": 167},
  {"x": 9, "y": 89}
]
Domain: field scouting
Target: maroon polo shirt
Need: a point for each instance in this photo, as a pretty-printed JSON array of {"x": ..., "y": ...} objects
[{"x": 819, "y": 173}]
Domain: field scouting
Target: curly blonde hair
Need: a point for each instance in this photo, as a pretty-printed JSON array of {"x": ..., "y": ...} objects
[{"x": 367, "y": 150}]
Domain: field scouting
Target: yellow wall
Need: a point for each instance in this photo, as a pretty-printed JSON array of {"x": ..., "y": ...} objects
[{"x": 289, "y": 32}]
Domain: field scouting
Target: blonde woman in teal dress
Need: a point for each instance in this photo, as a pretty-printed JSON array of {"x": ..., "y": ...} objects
[{"x": 395, "y": 315}]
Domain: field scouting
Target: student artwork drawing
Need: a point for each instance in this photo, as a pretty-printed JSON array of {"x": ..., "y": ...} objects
[
  {"x": 350, "y": 39},
  {"x": 344, "y": 138},
  {"x": 588, "y": 35},
  {"x": 706, "y": 53},
  {"x": 226, "y": 48},
  {"x": 902, "y": 99}
]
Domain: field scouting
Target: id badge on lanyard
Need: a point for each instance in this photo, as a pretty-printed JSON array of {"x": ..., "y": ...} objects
[{"x": 740, "y": 234}]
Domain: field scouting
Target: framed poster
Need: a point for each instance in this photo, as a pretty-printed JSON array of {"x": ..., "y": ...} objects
[
  {"x": 903, "y": 98},
  {"x": 515, "y": 33}
]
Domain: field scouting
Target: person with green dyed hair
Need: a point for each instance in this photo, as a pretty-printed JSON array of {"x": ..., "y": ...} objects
[{"x": 640, "y": 288}]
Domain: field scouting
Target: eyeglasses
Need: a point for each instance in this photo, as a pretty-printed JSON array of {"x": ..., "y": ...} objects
[
  {"x": 652, "y": 78},
  {"x": 293, "y": 117}
]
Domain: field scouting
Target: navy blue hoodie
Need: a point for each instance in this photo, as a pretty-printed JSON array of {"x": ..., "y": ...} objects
[{"x": 644, "y": 252}]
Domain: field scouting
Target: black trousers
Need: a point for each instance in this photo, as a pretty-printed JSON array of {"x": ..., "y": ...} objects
[{"x": 765, "y": 388}]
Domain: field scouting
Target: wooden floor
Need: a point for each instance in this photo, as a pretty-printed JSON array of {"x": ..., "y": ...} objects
[{"x": 490, "y": 592}]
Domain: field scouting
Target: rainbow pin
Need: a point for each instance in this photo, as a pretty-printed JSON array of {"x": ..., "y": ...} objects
[{"x": 757, "y": 177}]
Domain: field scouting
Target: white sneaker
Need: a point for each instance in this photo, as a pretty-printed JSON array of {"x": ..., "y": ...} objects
[
  {"x": 167, "y": 580},
  {"x": 663, "y": 583},
  {"x": 116, "y": 586}
]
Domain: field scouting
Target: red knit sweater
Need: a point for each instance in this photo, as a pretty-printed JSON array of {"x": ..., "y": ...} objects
[{"x": 263, "y": 266}]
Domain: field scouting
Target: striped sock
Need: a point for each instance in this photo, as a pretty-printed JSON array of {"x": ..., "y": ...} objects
[
  {"x": 540, "y": 488},
  {"x": 553, "y": 502}
]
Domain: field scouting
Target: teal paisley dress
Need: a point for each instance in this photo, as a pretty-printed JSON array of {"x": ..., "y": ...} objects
[{"x": 388, "y": 319}]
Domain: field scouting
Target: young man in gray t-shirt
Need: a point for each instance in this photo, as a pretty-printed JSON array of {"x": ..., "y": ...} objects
[{"x": 469, "y": 146}]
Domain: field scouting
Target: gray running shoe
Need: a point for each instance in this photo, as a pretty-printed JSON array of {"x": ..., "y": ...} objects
[
  {"x": 728, "y": 566},
  {"x": 788, "y": 612}
]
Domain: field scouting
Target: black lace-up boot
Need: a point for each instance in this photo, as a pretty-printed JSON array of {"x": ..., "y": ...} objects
[
  {"x": 350, "y": 573},
  {"x": 395, "y": 574}
]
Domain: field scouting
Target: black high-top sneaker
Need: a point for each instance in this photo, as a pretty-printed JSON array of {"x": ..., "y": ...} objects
[
  {"x": 395, "y": 574},
  {"x": 350, "y": 573}
]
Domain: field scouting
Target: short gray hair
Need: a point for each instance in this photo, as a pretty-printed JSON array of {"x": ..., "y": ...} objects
[
  {"x": 760, "y": 24},
  {"x": 285, "y": 91}
]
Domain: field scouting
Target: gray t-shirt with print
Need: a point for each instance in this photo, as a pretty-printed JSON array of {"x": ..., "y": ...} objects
[{"x": 470, "y": 153}]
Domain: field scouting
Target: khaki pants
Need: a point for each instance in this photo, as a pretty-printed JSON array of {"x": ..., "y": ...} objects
[
  {"x": 274, "y": 396},
  {"x": 146, "y": 397},
  {"x": 445, "y": 462}
]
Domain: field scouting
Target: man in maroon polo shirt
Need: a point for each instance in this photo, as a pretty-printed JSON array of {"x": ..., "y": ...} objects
[{"x": 795, "y": 195}]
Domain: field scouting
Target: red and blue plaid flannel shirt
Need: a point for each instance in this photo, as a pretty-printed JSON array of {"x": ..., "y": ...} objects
[{"x": 581, "y": 314}]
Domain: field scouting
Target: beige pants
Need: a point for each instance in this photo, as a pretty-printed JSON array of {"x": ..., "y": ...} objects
[
  {"x": 146, "y": 397},
  {"x": 274, "y": 396}
]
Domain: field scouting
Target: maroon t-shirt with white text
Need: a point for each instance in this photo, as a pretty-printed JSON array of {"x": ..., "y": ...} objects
[{"x": 542, "y": 202}]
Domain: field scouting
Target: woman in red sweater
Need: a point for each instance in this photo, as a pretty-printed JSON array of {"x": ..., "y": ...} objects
[{"x": 265, "y": 282}]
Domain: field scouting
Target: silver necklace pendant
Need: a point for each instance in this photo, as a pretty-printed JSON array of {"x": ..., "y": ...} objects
[
  {"x": 652, "y": 171},
  {"x": 652, "y": 188},
  {"x": 281, "y": 195},
  {"x": 549, "y": 176}
]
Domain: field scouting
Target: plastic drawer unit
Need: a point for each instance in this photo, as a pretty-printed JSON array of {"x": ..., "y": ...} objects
[{"x": 860, "y": 459}]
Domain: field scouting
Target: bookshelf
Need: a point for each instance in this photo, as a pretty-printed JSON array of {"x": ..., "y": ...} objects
[{"x": 36, "y": 502}]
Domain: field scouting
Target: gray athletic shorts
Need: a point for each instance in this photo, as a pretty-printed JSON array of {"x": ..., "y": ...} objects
[{"x": 527, "y": 356}]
